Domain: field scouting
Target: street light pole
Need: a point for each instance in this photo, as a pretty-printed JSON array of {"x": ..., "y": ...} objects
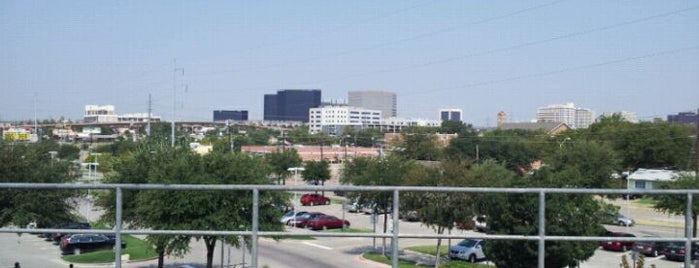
[
  {"x": 296, "y": 173},
  {"x": 174, "y": 102},
  {"x": 560, "y": 144}
]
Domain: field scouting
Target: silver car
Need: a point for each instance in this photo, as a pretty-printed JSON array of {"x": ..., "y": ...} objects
[
  {"x": 468, "y": 249},
  {"x": 623, "y": 220}
]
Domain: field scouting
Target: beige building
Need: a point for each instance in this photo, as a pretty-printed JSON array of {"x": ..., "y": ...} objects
[{"x": 383, "y": 101}]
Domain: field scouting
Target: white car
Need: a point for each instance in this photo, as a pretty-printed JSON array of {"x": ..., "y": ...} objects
[
  {"x": 479, "y": 224},
  {"x": 468, "y": 249},
  {"x": 352, "y": 206}
]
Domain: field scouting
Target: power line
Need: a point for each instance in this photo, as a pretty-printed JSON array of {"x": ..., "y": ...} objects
[
  {"x": 394, "y": 42},
  {"x": 568, "y": 69},
  {"x": 522, "y": 45}
]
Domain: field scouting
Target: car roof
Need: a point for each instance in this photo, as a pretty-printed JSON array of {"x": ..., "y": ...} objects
[{"x": 622, "y": 234}]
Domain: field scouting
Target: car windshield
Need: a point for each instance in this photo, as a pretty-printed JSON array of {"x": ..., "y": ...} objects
[{"x": 469, "y": 243}]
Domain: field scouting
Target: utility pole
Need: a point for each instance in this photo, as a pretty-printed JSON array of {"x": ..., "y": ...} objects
[
  {"x": 150, "y": 111},
  {"x": 696, "y": 146},
  {"x": 174, "y": 101},
  {"x": 36, "y": 129}
]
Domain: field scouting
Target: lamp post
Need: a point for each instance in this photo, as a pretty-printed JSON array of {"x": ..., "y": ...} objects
[
  {"x": 174, "y": 102},
  {"x": 296, "y": 173},
  {"x": 560, "y": 144}
]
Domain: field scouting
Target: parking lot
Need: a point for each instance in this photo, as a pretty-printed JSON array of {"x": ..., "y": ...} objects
[{"x": 35, "y": 252}]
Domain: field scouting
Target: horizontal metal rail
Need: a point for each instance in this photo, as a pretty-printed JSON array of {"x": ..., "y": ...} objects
[{"x": 255, "y": 233}]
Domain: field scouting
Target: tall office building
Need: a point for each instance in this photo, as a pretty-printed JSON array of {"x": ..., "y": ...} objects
[
  {"x": 223, "y": 115},
  {"x": 450, "y": 114},
  {"x": 566, "y": 113},
  {"x": 291, "y": 104},
  {"x": 374, "y": 100}
]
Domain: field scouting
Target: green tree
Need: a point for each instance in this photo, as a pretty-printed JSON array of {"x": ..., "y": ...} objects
[
  {"x": 513, "y": 147},
  {"x": 677, "y": 204},
  {"x": 566, "y": 214},
  {"x": 136, "y": 168},
  {"x": 419, "y": 145},
  {"x": 32, "y": 163},
  {"x": 648, "y": 144},
  {"x": 316, "y": 172},
  {"x": 389, "y": 171},
  {"x": 595, "y": 161},
  {"x": 454, "y": 127},
  {"x": 281, "y": 161},
  {"x": 192, "y": 210}
]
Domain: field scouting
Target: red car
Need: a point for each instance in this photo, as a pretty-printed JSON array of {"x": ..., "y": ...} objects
[
  {"x": 618, "y": 245},
  {"x": 326, "y": 222},
  {"x": 314, "y": 199},
  {"x": 303, "y": 219}
]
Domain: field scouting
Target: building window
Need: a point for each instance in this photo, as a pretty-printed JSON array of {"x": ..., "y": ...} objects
[{"x": 640, "y": 184}]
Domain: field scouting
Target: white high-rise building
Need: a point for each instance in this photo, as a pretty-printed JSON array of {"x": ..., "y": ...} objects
[
  {"x": 566, "y": 113},
  {"x": 333, "y": 120},
  {"x": 100, "y": 114},
  {"x": 374, "y": 100}
]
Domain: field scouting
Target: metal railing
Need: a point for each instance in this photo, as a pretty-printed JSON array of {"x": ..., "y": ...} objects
[{"x": 255, "y": 233}]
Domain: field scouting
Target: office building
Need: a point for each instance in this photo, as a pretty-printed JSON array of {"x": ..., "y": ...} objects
[
  {"x": 684, "y": 117},
  {"x": 566, "y": 113},
  {"x": 374, "y": 100},
  {"x": 223, "y": 115},
  {"x": 333, "y": 120},
  {"x": 395, "y": 124},
  {"x": 291, "y": 104},
  {"x": 450, "y": 114}
]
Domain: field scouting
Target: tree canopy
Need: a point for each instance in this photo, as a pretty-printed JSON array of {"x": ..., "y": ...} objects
[
  {"x": 192, "y": 210},
  {"x": 32, "y": 163}
]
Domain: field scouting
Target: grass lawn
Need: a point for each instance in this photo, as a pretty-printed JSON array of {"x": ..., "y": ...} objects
[
  {"x": 337, "y": 200},
  {"x": 645, "y": 202},
  {"x": 297, "y": 237},
  {"x": 431, "y": 249},
  {"x": 136, "y": 248}
]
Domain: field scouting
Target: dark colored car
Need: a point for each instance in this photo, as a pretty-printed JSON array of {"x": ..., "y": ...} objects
[
  {"x": 56, "y": 237},
  {"x": 651, "y": 248},
  {"x": 618, "y": 245},
  {"x": 326, "y": 222},
  {"x": 81, "y": 243},
  {"x": 314, "y": 199},
  {"x": 676, "y": 251},
  {"x": 301, "y": 221}
]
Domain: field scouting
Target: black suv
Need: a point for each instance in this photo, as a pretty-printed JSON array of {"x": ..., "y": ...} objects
[{"x": 81, "y": 243}]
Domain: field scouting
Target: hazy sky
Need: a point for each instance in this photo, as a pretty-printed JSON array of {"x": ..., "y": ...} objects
[{"x": 479, "y": 56}]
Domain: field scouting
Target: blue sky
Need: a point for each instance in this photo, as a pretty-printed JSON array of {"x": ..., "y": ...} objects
[{"x": 479, "y": 56}]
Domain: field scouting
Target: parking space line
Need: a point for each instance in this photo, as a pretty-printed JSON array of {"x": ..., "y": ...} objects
[{"x": 318, "y": 246}]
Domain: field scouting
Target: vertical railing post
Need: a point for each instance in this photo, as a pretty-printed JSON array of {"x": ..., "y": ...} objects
[
  {"x": 542, "y": 228},
  {"x": 394, "y": 239},
  {"x": 255, "y": 225},
  {"x": 117, "y": 229},
  {"x": 688, "y": 231}
]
